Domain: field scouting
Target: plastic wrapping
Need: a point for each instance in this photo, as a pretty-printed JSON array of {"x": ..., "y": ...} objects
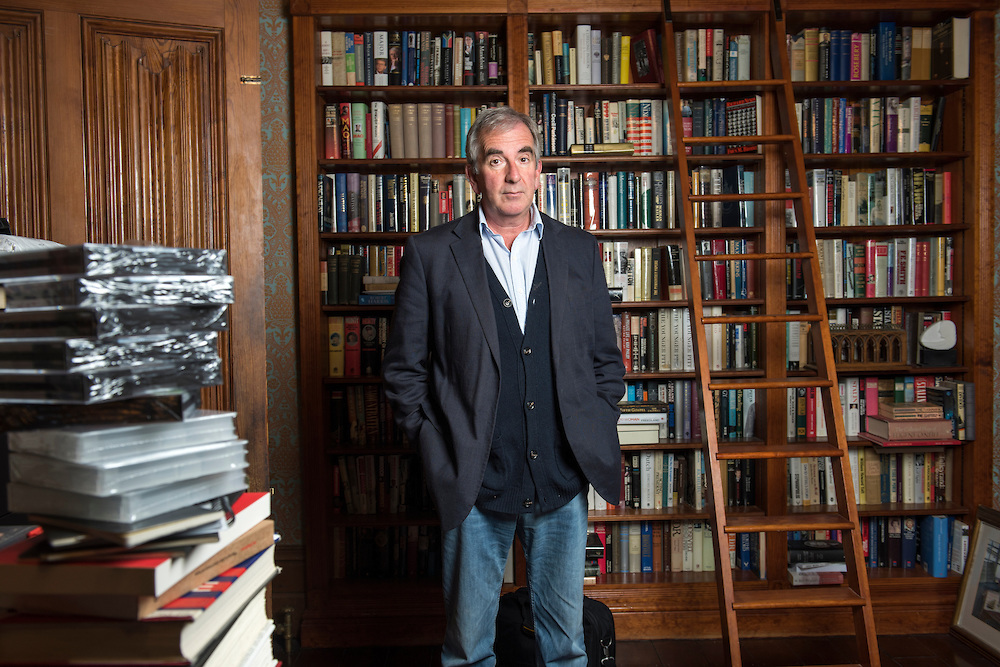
[
  {"x": 131, "y": 474},
  {"x": 106, "y": 323},
  {"x": 116, "y": 292},
  {"x": 98, "y": 259},
  {"x": 120, "y": 442},
  {"x": 77, "y": 355},
  {"x": 125, "y": 507},
  {"x": 96, "y": 386}
]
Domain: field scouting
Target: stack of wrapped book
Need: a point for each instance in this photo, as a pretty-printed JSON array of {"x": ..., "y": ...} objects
[{"x": 148, "y": 548}]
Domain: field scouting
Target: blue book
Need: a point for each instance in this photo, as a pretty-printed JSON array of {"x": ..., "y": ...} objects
[
  {"x": 376, "y": 299},
  {"x": 743, "y": 540},
  {"x": 404, "y": 58},
  {"x": 934, "y": 544},
  {"x": 646, "y": 546},
  {"x": 886, "y": 50},
  {"x": 909, "y": 546},
  {"x": 464, "y": 124},
  {"x": 340, "y": 188}
]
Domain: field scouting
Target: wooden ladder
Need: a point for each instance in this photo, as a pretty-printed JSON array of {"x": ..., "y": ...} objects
[{"x": 775, "y": 448}]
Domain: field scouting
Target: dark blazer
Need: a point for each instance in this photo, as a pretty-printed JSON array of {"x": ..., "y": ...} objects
[{"x": 442, "y": 368}]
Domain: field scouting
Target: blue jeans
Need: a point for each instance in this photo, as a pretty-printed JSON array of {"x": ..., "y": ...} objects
[{"x": 473, "y": 557}]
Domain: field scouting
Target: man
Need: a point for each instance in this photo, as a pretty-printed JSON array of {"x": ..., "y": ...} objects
[{"x": 502, "y": 364}]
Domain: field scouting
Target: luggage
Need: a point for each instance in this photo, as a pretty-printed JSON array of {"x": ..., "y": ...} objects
[{"x": 515, "y": 640}]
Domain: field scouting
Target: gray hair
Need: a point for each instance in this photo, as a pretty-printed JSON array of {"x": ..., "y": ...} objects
[{"x": 498, "y": 118}]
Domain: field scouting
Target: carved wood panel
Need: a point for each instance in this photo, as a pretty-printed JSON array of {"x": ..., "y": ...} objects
[
  {"x": 154, "y": 141},
  {"x": 23, "y": 191}
]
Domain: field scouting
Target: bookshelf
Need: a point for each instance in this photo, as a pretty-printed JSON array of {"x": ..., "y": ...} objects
[{"x": 354, "y": 610}]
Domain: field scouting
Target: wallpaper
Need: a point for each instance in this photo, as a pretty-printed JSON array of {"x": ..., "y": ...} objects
[{"x": 279, "y": 269}]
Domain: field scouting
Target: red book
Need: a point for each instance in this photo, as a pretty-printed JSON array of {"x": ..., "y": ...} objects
[
  {"x": 646, "y": 67},
  {"x": 870, "y": 245},
  {"x": 883, "y": 442},
  {"x": 810, "y": 413},
  {"x": 345, "y": 129},
  {"x": 352, "y": 346},
  {"x": 922, "y": 268},
  {"x": 719, "y": 283},
  {"x": 331, "y": 133},
  {"x": 181, "y": 632}
]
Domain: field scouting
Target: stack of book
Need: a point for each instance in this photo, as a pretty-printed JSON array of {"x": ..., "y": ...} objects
[
  {"x": 148, "y": 548},
  {"x": 813, "y": 562},
  {"x": 642, "y": 422},
  {"x": 913, "y": 424}
]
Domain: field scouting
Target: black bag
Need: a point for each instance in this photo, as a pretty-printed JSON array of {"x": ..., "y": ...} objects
[{"x": 515, "y": 640}]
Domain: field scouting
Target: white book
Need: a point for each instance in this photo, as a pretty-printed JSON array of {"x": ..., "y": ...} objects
[
  {"x": 697, "y": 545},
  {"x": 380, "y": 54},
  {"x": 852, "y": 457},
  {"x": 743, "y": 57},
  {"x": 663, "y": 338},
  {"x": 647, "y": 482},
  {"x": 379, "y": 116},
  {"x": 708, "y": 548},
  {"x": 656, "y": 115},
  {"x": 959, "y": 546},
  {"x": 718, "y": 54},
  {"x": 583, "y": 54},
  {"x": 326, "y": 57},
  {"x": 595, "y": 56}
]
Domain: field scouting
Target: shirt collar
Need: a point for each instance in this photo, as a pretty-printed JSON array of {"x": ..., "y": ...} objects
[{"x": 536, "y": 225}]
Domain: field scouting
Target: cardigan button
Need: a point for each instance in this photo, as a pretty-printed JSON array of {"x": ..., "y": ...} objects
[
  {"x": 507, "y": 303},
  {"x": 533, "y": 454},
  {"x": 527, "y": 503},
  {"x": 531, "y": 405},
  {"x": 526, "y": 350}
]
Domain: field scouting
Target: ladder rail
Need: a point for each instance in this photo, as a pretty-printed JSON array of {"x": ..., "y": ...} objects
[{"x": 780, "y": 143}]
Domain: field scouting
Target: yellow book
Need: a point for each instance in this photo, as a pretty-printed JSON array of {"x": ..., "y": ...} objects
[
  {"x": 626, "y": 59},
  {"x": 335, "y": 329},
  {"x": 548, "y": 62}
]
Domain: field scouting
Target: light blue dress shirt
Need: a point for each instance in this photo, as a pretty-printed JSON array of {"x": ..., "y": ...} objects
[{"x": 514, "y": 268}]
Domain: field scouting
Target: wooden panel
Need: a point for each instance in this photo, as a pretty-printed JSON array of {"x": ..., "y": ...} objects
[
  {"x": 23, "y": 198},
  {"x": 153, "y": 141}
]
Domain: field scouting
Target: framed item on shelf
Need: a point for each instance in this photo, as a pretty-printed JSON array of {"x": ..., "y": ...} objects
[{"x": 977, "y": 613}]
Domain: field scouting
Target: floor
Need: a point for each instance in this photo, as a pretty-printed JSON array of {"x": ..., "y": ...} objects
[{"x": 896, "y": 651}]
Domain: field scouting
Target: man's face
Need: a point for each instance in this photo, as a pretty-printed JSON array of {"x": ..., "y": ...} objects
[{"x": 508, "y": 176}]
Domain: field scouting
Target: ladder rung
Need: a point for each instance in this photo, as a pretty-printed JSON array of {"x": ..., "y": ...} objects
[
  {"x": 783, "y": 523},
  {"x": 755, "y": 196},
  {"x": 782, "y": 317},
  {"x": 805, "y": 597},
  {"x": 760, "y": 450},
  {"x": 754, "y": 255},
  {"x": 770, "y": 383},
  {"x": 753, "y": 139}
]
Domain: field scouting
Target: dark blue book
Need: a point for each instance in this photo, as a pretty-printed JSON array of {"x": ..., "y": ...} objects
[
  {"x": 886, "y": 50},
  {"x": 934, "y": 544}
]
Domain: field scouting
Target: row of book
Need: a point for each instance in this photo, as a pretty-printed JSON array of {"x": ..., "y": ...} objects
[
  {"x": 348, "y": 278},
  {"x": 731, "y": 279},
  {"x": 565, "y": 125},
  {"x": 586, "y": 56},
  {"x": 411, "y": 58},
  {"x": 884, "y": 52},
  {"x": 905, "y": 266},
  {"x": 679, "y": 403},
  {"x": 357, "y": 345},
  {"x": 411, "y": 130},
  {"x": 889, "y": 124},
  {"x": 596, "y": 200},
  {"x": 936, "y": 543},
  {"x": 642, "y": 272},
  {"x": 360, "y": 418},
  {"x": 386, "y": 552},
  {"x": 709, "y": 54},
  {"x": 865, "y": 397},
  {"x": 379, "y": 484},
  {"x": 148, "y": 549},
  {"x": 721, "y": 117},
  {"x": 734, "y": 179},
  {"x": 891, "y": 196},
  {"x": 403, "y": 202},
  {"x": 637, "y": 547}
]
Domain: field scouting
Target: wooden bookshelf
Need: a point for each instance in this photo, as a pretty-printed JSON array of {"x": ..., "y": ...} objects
[{"x": 358, "y": 611}]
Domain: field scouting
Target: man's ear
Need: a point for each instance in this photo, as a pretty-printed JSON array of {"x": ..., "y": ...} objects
[{"x": 471, "y": 176}]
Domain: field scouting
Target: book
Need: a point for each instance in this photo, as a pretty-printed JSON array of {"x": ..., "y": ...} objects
[
  {"x": 146, "y": 576},
  {"x": 911, "y": 410},
  {"x": 885, "y": 442},
  {"x": 620, "y": 148},
  {"x": 934, "y": 544},
  {"x": 183, "y": 630},
  {"x": 908, "y": 429},
  {"x": 815, "y": 551},
  {"x": 950, "y": 48},
  {"x": 646, "y": 67}
]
